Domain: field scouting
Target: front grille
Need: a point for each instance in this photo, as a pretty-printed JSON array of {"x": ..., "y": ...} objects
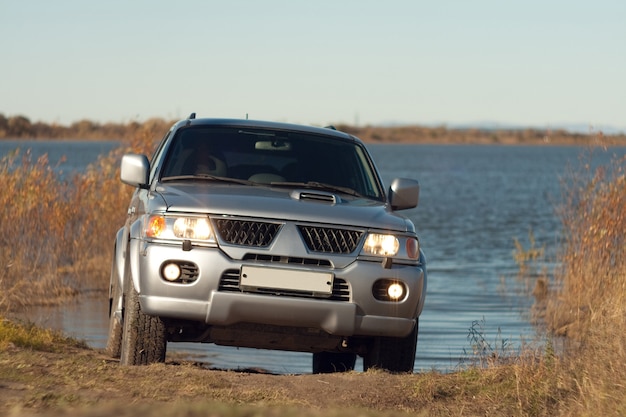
[
  {"x": 247, "y": 233},
  {"x": 341, "y": 290},
  {"x": 330, "y": 240},
  {"x": 229, "y": 282}
]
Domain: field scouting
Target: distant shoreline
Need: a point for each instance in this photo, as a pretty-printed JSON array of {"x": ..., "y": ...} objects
[
  {"x": 386, "y": 136},
  {"x": 20, "y": 128}
]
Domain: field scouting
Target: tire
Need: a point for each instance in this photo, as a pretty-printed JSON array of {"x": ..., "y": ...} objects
[
  {"x": 144, "y": 337},
  {"x": 393, "y": 354},
  {"x": 114, "y": 340},
  {"x": 331, "y": 362}
]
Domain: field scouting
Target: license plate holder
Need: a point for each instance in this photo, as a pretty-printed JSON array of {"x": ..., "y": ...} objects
[{"x": 254, "y": 278}]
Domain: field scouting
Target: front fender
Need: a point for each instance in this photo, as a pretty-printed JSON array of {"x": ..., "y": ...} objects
[
  {"x": 423, "y": 298},
  {"x": 119, "y": 256},
  {"x": 134, "y": 252}
]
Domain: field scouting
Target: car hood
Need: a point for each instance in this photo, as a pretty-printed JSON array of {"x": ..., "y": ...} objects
[{"x": 278, "y": 203}]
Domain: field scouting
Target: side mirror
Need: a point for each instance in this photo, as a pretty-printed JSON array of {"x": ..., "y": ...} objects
[
  {"x": 135, "y": 170},
  {"x": 404, "y": 193}
]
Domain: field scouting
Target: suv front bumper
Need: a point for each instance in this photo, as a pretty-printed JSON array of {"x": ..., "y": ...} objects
[{"x": 203, "y": 301}]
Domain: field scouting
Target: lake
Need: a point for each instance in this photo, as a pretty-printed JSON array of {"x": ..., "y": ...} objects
[{"x": 474, "y": 202}]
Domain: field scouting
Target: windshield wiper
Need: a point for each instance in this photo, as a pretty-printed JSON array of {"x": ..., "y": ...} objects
[
  {"x": 319, "y": 186},
  {"x": 309, "y": 185},
  {"x": 206, "y": 177}
]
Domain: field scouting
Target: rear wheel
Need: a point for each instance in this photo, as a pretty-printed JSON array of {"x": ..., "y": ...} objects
[
  {"x": 144, "y": 337},
  {"x": 393, "y": 354},
  {"x": 330, "y": 362}
]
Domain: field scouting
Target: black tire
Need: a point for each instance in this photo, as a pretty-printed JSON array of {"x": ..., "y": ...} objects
[
  {"x": 393, "y": 354},
  {"x": 330, "y": 362},
  {"x": 114, "y": 340},
  {"x": 144, "y": 337}
]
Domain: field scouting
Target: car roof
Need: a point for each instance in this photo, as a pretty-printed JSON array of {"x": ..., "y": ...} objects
[{"x": 261, "y": 124}]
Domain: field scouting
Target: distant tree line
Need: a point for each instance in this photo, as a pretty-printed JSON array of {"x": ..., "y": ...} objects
[
  {"x": 445, "y": 135},
  {"x": 16, "y": 127},
  {"x": 20, "y": 127}
]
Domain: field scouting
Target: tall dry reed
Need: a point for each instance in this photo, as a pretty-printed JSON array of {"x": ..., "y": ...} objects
[
  {"x": 587, "y": 304},
  {"x": 57, "y": 235},
  {"x": 591, "y": 282},
  {"x": 581, "y": 369}
]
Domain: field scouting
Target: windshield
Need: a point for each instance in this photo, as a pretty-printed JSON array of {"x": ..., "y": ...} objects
[{"x": 267, "y": 157}]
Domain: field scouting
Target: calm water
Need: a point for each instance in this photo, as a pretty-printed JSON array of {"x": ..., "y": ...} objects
[
  {"x": 66, "y": 156},
  {"x": 474, "y": 201}
]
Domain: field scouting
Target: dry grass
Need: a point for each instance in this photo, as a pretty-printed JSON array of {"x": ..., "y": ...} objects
[
  {"x": 592, "y": 281},
  {"x": 585, "y": 301},
  {"x": 589, "y": 304},
  {"x": 27, "y": 335},
  {"x": 57, "y": 234}
]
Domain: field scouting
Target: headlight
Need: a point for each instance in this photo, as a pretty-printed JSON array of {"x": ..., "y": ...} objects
[
  {"x": 178, "y": 228},
  {"x": 192, "y": 228},
  {"x": 384, "y": 245},
  {"x": 381, "y": 245}
]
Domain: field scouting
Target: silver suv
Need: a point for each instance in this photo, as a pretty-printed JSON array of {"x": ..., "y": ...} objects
[{"x": 271, "y": 236}]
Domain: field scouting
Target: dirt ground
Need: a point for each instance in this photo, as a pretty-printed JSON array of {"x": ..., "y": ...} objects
[
  {"x": 81, "y": 381},
  {"x": 42, "y": 382}
]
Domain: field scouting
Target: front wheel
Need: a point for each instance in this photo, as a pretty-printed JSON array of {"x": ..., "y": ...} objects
[
  {"x": 144, "y": 338},
  {"x": 393, "y": 354}
]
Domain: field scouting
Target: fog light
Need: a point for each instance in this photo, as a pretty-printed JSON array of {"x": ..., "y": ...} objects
[
  {"x": 171, "y": 272},
  {"x": 390, "y": 290},
  {"x": 395, "y": 291}
]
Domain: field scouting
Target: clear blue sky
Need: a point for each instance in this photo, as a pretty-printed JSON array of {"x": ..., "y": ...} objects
[{"x": 534, "y": 62}]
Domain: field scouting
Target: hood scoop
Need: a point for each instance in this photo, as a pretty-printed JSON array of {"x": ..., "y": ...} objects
[{"x": 316, "y": 196}]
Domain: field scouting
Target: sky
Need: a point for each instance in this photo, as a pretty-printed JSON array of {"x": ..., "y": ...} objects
[{"x": 533, "y": 63}]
